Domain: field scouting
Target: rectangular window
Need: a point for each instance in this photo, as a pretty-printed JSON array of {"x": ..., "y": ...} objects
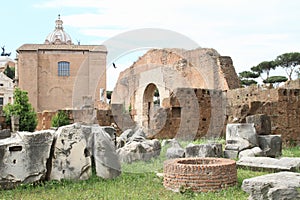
[
  {"x": 63, "y": 68},
  {"x": 1, "y": 101}
]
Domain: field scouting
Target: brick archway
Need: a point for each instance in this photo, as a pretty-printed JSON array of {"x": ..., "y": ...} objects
[
  {"x": 169, "y": 70},
  {"x": 148, "y": 104}
]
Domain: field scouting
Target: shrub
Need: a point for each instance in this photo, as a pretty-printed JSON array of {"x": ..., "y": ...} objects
[
  {"x": 60, "y": 119},
  {"x": 22, "y": 108}
]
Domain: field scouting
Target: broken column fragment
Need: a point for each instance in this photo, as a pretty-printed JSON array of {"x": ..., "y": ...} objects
[
  {"x": 71, "y": 158},
  {"x": 240, "y": 137},
  {"x": 23, "y": 158},
  {"x": 106, "y": 159}
]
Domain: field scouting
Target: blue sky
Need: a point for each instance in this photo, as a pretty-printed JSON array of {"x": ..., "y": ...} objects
[{"x": 249, "y": 31}]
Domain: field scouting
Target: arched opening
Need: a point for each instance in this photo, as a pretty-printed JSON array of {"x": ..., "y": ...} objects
[{"x": 151, "y": 103}]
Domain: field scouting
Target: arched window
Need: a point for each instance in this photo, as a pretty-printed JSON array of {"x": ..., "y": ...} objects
[{"x": 63, "y": 68}]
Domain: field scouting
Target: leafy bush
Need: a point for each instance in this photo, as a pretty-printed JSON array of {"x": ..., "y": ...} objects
[
  {"x": 22, "y": 108},
  {"x": 60, "y": 119}
]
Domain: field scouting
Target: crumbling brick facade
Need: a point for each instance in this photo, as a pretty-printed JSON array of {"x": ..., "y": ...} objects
[
  {"x": 212, "y": 110},
  {"x": 281, "y": 104},
  {"x": 168, "y": 70},
  {"x": 192, "y": 113}
]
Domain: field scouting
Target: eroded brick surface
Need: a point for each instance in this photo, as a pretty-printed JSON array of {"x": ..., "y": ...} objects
[{"x": 199, "y": 174}]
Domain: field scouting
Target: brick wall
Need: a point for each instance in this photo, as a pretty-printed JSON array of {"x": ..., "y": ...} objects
[
  {"x": 281, "y": 104},
  {"x": 102, "y": 117},
  {"x": 191, "y": 114},
  {"x": 215, "y": 109}
]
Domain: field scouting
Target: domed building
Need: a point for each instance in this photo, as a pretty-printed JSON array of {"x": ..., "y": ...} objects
[
  {"x": 58, "y": 36},
  {"x": 60, "y": 75}
]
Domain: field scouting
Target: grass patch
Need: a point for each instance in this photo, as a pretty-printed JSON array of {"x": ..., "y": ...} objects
[
  {"x": 293, "y": 151},
  {"x": 126, "y": 186},
  {"x": 137, "y": 181}
]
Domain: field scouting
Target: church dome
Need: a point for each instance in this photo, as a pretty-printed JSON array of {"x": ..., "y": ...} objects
[{"x": 58, "y": 36}]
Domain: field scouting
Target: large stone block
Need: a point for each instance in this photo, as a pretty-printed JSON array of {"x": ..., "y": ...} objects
[
  {"x": 204, "y": 150},
  {"x": 23, "y": 158},
  {"x": 277, "y": 186},
  {"x": 153, "y": 148},
  {"x": 104, "y": 152},
  {"x": 175, "y": 151},
  {"x": 139, "y": 150},
  {"x": 269, "y": 164},
  {"x": 131, "y": 152},
  {"x": 271, "y": 145},
  {"x": 232, "y": 154},
  {"x": 262, "y": 123},
  {"x": 240, "y": 137},
  {"x": 71, "y": 157},
  {"x": 255, "y": 151}
]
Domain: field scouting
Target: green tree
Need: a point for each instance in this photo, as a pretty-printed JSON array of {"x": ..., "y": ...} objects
[
  {"x": 290, "y": 62},
  {"x": 264, "y": 67},
  {"x": 60, "y": 119},
  {"x": 22, "y": 108},
  {"x": 247, "y": 78},
  {"x": 248, "y": 82},
  {"x": 10, "y": 72},
  {"x": 275, "y": 79}
]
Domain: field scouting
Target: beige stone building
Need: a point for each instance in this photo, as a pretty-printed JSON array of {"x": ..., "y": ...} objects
[
  {"x": 6, "y": 61},
  {"x": 59, "y": 74},
  {"x": 6, "y": 89}
]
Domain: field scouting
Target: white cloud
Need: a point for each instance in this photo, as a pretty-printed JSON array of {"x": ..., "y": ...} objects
[
  {"x": 249, "y": 31},
  {"x": 68, "y": 3}
]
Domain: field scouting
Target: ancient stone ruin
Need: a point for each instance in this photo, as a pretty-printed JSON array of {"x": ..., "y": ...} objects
[
  {"x": 281, "y": 185},
  {"x": 199, "y": 94},
  {"x": 179, "y": 76},
  {"x": 199, "y": 97},
  {"x": 66, "y": 153}
]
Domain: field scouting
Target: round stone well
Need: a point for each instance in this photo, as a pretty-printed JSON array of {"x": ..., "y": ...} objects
[{"x": 199, "y": 174}]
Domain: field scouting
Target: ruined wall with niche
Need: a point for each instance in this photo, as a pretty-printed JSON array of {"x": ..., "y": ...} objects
[
  {"x": 192, "y": 113},
  {"x": 169, "y": 69},
  {"x": 281, "y": 104}
]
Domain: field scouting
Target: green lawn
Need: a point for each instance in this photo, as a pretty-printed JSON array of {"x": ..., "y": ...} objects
[
  {"x": 138, "y": 181},
  {"x": 126, "y": 186}
]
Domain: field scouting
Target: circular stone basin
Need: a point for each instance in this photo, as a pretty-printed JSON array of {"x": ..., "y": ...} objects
[{"x": 199, "y": 174}]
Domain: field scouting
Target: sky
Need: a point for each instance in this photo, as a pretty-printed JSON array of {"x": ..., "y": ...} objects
[{"x": 249, "y": 31}]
